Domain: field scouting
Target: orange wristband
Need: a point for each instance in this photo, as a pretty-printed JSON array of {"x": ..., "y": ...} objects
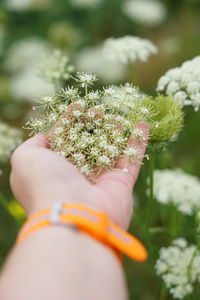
[{"x": 96, "y": 224}]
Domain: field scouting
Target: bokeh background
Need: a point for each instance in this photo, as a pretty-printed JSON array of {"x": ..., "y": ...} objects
[{"x": 30, "y": 28}]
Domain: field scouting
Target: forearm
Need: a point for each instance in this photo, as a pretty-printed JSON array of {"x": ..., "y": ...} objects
[{"x": 58, "y": 263}]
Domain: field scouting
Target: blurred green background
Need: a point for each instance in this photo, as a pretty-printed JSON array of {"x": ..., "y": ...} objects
[{"x": 30, "y": 27}]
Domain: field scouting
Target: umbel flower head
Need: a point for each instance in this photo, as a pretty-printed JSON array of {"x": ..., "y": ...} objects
[
  {"x": 92, "y": 60},
  {"x": 22, "y": 64},
  {"x": 183, "y": 83},
  {"x": 10, "y": 138},
  {"x": 163, "y": 114},
  {"x": 82, "y": 128},
  {"x": 179, "y": 188},
  {"x": 57, "y": 68},
  {"x": 178, "y": 265},
  {"x": 123, "y": 98},
  {"x": 128, "y": 49},
  {"x": 145, "y": 12},
  {"x": 26, "y": 5},
  {"x": 165, "y": 117}
]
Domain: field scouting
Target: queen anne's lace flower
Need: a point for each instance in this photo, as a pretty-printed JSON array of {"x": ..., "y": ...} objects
[
  {"x": 27, "y": 85},
  {"x": 128, "y": 49},
  {"x": 163, "y": 114},
  {"x": 25, "y": 5},
  {"x": 93, "y": 60},
  {"x": 26, "y": 53},
  {"x": 183, "y": 83},
  {"x": 124, "y": 97},
  {"x": 56, "y": 68},
  {"x": 146, "y": 12},
  {"x": 10, "y": 138},
  {"x": 178, "y": 265},
  {"x": 178, "y": 188},
  {"x": 86, "y": 79},
  {"x": 82, "y": 128},
  {"x": 22, "y": 63}
]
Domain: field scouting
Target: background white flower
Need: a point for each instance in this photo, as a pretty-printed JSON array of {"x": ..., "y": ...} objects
[
  {"x": 26, "y": 53},
  {"x": 85, "y": 3},
  {"x": 128, "y": 49},
  {"x": 146, "y": 12},
  {"x": 93, "y": 60},
  {"x": 183, "y": 83},
  {"x": 27, "y": 86},
  {"x": 10, "y": 138},
  {"x": 25, "y": 5},
  {"x": 178, "y": 188},
  {"x": 178, "y": 265},
  {"x": 56, "y": 67},
  {"x": 22, "y": 63}
]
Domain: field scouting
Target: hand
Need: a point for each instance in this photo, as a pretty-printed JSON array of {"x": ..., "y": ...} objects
[{"x": 41, "y": 177}]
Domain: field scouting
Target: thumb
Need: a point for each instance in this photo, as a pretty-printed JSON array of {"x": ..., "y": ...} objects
[{"x": 39, "y": 140}]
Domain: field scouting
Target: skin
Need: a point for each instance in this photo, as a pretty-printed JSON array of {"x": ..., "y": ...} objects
[{"x": 56, "y": 262}]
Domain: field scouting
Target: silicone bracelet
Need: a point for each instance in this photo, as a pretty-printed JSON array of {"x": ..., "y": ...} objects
[{"x": 96, "y": 224}]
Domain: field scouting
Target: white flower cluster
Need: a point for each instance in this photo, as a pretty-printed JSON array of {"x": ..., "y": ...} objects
[
  {"x": 10, "y": 138},
  {"x": 83, "y": 129},
  {"x": 128, "y": 49},
  {"x": 26, "y": 53},
  {"x": 123, "y": 98},
  {"x": 146, "y": 12},
  {"x": 56, "y": 68},
  {"x": 24, "y": 5},
  {"x": 178, "y": 265},
  {"x": 22, "y": 63},
  {"x": 178, "y": 188},
  {"x": 85, "y": 3},
  {"x": 86, "y": 79},
  {"x": 183, "y": 83},
  {"x": 129, "y": 100},
  {"x": 93, "y": 60}
]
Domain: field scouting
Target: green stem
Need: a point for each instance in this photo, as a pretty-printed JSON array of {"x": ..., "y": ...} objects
[
  {"x": 151, "y": 188},
  {"x": 131, "y": 73},
  {"x": 191, "y": 262},
  {"x": 163, "y": 293},
  {"x": 175, "y": 222},
  {"x": 57, "y": 85},
  {"x": 86, "y": 90}
]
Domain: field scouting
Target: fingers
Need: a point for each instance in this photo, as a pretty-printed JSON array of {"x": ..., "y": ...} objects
[
  {"x": 126, "y": 172},
  {"x": 133, "y": 168}
]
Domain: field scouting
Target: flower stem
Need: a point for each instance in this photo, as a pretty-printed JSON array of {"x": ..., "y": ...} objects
[
  {"x": 86, "y": 90},
  {"x": 151, "y": 188},
  {"x": 164, "y": 292}
]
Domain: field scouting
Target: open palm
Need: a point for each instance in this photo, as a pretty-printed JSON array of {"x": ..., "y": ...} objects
[{"x": 40, "y": 177}]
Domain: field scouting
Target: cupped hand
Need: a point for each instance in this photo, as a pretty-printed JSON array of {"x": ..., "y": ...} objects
[{"x": 41, "y": 177}]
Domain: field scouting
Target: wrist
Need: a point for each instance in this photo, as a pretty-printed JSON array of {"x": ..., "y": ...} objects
[{"x": 47, "y": 201}]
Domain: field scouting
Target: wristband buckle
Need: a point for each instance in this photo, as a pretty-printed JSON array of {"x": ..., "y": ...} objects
[{"x": 55, "y": 214}]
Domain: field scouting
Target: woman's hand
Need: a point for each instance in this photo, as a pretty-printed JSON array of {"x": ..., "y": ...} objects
[{"x": 41, "y": 177}]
